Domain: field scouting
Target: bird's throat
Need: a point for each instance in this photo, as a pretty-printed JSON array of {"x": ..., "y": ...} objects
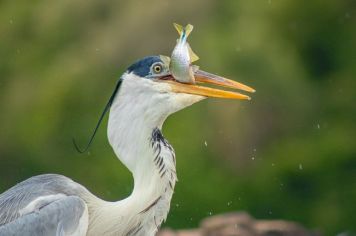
[
  {"x": 151, "y": 159},
  {"x": 154, "y": 181},
  {"x": 134, "y": 132}
]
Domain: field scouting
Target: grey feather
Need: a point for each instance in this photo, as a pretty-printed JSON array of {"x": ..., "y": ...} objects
[
  {"x": 18, "y": 197},
  {"x": 60, "y": 217}
]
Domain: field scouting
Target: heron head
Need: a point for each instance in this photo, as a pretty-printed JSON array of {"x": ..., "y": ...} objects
[
  {"x": 150, "y": 77},
  {"x": 148, "y": 89}
]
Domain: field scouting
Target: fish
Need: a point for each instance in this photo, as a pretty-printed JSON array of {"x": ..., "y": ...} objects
[{"x": 183, "y": 56}]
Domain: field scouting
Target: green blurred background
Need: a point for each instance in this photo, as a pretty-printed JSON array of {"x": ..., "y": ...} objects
[{"x": 288, "y": 153}]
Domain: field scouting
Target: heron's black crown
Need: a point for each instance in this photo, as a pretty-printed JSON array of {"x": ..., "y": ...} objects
[
  {"x": 146, "y": 67},
  {"x": 142, "y": 67}
]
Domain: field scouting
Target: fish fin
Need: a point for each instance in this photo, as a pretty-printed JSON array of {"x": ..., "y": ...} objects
[
  {"x": 193, "y": 57},
  {"x": 188, "y": 29},
  {"x": 166, "y": 60},
  {"x": 195, "y": 68},
  {"x": 179, "y": 28}
]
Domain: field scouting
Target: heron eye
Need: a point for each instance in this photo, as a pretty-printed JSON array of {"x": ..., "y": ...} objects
[{"x": 157, "y": 68}]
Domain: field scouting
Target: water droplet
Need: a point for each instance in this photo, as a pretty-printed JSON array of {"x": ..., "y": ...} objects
[
  {"x": 229, "y": 203},
  {"x": 177, "y": 205},
  {"x": 254, "y": 149},
  {"x": 205, "y": 143},
  {"x": 253, "y": 158},
  {"x": 210, "y": 213},
  {"x": 300, "y": 167},
  {"x": 318, "y": 126}
]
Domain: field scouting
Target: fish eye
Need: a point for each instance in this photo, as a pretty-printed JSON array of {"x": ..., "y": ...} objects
[{"x": 157, "y": 68}]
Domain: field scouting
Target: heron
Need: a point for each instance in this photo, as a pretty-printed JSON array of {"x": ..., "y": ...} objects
[{"x": 144, "y": 96}]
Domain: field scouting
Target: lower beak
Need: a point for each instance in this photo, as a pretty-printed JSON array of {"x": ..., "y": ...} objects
[{"x": 202, "y": 78}]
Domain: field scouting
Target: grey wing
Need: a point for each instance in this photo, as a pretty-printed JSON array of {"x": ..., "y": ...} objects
[
  {"x": 67, "y": 215},
  {"x": 41, "y": 204}
]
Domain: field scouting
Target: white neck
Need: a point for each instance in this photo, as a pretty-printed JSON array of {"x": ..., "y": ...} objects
[{"x": 134, "y": 134}]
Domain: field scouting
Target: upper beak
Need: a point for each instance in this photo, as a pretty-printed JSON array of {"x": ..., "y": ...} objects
[{"x": 202, "y": 77}]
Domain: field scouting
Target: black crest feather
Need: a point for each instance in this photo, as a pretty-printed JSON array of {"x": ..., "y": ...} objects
[{"x": 107, "y": 107}]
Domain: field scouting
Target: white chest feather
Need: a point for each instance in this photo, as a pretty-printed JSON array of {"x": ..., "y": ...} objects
[
  {"x": 147, "y": 207},
  {"x": 136, "y": 118}
]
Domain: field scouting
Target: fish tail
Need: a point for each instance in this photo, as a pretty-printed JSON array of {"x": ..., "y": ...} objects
[
  {"x": 188, "y": 29},
  {"x": 183, "y": 31},
  {"x": 179, "y": 29}
]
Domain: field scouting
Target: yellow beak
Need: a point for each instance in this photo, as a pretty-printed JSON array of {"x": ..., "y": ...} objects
[{"x": 202, "y": 77}]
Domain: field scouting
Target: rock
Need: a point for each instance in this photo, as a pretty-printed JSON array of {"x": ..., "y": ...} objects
[
  {"x": 168, "y": 232},
  {"x": 242, "y": 224},
  {"x": 280, "y": 227}
]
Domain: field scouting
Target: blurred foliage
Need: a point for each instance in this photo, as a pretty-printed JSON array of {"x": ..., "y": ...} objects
[{"x": 288, "y": 153}]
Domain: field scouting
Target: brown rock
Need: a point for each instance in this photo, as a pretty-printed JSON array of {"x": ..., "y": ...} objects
[
  {"x": 242, "y": 224},
  {"x": 228, "y": 224},
  {"x": 219, "y": 221},
  {"x": 280, "y": 227},
  {"x": 168, "y": 232}
]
